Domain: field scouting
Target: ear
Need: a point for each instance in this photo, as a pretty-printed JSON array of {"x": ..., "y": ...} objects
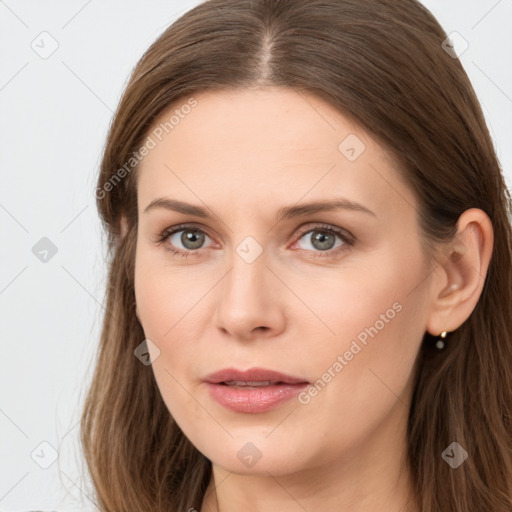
[
  {"x": 460, "y": 275},
  {"x": 123, "y": 223}
]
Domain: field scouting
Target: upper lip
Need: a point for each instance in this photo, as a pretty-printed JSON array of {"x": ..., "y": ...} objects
[{"x": 252, "y": 375}]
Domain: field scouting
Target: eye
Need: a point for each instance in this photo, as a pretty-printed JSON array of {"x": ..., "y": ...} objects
[
  {"x": 322, "y": 239},
  {"x": 183, "y": 240},
  {"x": 191, "y": 239}
]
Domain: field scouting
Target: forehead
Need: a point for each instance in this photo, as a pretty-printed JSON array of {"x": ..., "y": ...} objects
[
  {"x": 262, "y": 144},
  {"x": 280, "y": 121}
]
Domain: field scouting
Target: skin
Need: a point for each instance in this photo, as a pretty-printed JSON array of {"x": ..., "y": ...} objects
[{"x": 243, "y": 155}]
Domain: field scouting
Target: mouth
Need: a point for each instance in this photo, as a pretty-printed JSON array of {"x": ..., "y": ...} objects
[
  {"x": 251, "y": 384},
  {"x": 253, "y": 391}
]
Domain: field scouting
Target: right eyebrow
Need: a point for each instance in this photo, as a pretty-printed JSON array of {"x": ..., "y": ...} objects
[{"x": 178, "y": 206}]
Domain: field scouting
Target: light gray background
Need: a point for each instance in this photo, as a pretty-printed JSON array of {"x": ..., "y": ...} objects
[{"x": 55, "y": 116}]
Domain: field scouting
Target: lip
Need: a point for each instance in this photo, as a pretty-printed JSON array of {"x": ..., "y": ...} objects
[
  {"x": 252, "y": 375},
  {"x": 254, "y": 390}
]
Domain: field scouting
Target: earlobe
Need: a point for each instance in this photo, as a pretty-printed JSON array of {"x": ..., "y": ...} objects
[{"x": 460, "y": 272}]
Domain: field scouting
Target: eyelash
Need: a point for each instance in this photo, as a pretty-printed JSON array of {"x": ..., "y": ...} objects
[{"x": 347, "y": 239}]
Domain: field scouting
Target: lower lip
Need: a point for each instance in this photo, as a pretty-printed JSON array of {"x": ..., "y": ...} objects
[{"x": 252, "y": 400}]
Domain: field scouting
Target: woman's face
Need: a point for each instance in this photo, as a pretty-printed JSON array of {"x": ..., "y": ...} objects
[{"x": 336, "y": 298}]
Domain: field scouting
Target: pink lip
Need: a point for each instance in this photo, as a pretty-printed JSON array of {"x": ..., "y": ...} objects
[{"x": 253, "y": 399}]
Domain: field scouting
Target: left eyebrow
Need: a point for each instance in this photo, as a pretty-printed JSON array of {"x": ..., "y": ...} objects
[
  {"x": 287, "y": 212},
  {"x": 290, "y": 212}
]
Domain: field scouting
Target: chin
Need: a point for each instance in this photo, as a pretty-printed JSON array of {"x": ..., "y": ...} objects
[{"x": 256, "y": 455}]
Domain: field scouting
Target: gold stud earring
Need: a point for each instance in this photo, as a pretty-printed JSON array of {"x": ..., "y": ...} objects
[{"x": 440, "y": 341}]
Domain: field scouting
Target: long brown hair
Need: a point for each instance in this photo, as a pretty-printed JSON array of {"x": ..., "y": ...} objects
[{"x": 382, "y": 64}]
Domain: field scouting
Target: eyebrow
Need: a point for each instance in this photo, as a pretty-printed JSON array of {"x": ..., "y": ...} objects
[{"x": 286, "y": 212}]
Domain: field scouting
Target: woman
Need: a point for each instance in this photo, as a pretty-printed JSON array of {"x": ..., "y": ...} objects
[{"x": 310, "y": 279}]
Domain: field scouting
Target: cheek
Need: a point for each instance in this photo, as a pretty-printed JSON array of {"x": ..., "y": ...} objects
[
  {"x": 373, "y": 302},
  {"x": 166, "y": 307},
  {"x": 371, "y": 329},
  {"x": 164, "y": 294},
  {"x": 171, "y": 309},
  {"x": 364, "y": 371}
]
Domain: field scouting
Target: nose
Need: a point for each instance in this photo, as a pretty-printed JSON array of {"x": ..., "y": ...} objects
[{"x": 251, "y": 300}]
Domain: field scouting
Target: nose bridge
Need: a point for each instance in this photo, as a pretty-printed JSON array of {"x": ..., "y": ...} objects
[
  {"x": 248, "y": 299},
  {"x": 248, "y": 260},
  {"x": 245, "y": 283}
]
